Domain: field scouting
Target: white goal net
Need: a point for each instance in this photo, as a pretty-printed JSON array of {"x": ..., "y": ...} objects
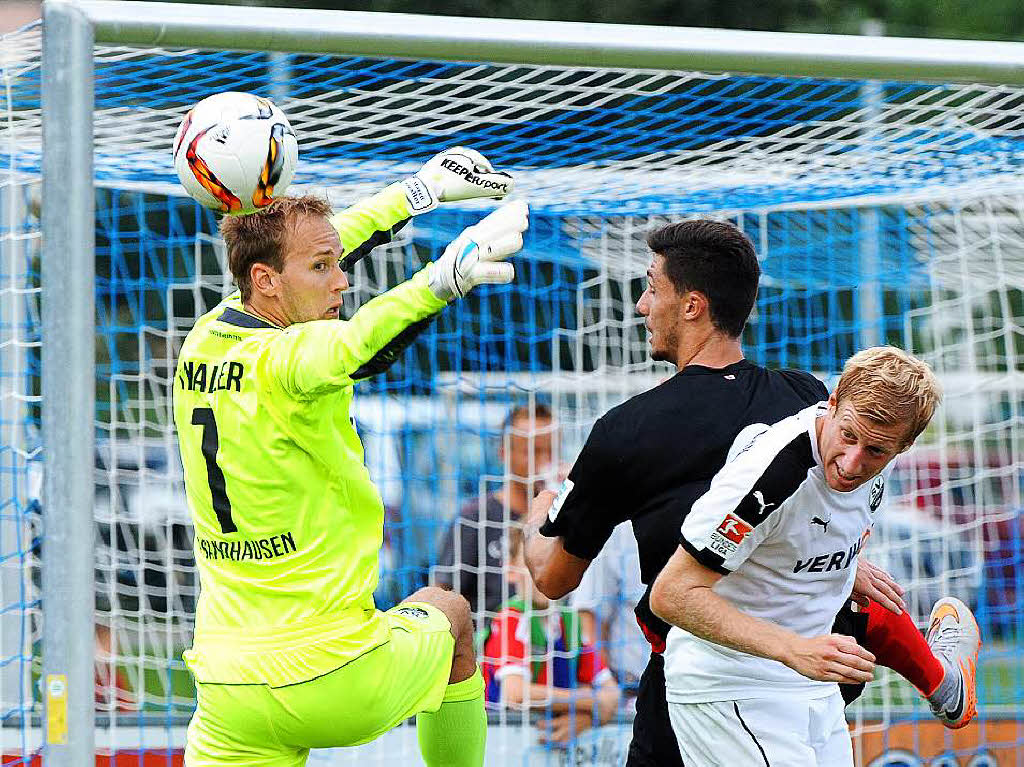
[{"x": 882, "y": 212}]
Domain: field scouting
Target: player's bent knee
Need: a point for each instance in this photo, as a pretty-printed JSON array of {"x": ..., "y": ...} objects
[
  {"x": 456, "y": 609},
  {"x": 453, "y": 605}
]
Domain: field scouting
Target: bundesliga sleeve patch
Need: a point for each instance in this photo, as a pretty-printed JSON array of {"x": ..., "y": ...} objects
[{"x": 728, "y": 536}]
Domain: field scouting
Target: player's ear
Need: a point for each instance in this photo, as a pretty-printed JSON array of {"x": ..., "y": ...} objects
[
  {"x": 263, "y": 278},
  {"x": 695, "y": 305}
]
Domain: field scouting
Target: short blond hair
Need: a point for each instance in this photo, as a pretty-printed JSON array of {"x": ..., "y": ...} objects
[
  {"x": 890, "y": 387},
  {"x": 262, "y": 237}
]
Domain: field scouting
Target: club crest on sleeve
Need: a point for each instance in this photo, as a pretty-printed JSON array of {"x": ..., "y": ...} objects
[
  {"x": 877, "y": 491},
  {"x": 734, "y": 529},
  {"x": 413, "y": 612},
  {"x": 563, "y": 493}
]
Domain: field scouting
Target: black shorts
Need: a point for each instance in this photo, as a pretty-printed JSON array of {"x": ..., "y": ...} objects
[
  {"x": 654, "y": 743},
  {"x": 855, "y": 625}
]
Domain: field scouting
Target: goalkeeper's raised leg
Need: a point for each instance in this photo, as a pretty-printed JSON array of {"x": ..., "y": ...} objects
[{"x": 290, "y": 652}]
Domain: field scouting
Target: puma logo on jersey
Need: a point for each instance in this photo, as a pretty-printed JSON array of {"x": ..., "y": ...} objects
[
  {"x": 822, "y": 522},
  {"x": 759, "y": 497}
]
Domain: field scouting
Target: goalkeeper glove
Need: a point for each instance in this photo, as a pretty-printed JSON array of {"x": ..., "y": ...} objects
[
  {"x": 455, "y": 174},
  {"x": 470, "y": 259}
]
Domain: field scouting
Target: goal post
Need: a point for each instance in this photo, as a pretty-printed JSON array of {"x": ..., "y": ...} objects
[
  {"x": 68, "y": 406},
  {"x": 881, "y": 180}
]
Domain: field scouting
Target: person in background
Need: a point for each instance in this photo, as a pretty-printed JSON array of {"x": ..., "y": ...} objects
[
  {"x": 535, "y": 656},
  {"x": 473, "y": 559}
]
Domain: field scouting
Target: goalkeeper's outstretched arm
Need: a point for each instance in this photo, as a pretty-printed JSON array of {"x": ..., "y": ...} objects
[{"x": 311, "y": 357}]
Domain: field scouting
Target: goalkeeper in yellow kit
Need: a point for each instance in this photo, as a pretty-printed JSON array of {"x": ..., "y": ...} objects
[{"x": 289, "y": 651}]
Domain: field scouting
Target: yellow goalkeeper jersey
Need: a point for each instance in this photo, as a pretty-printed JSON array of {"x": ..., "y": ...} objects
[{"x": 288, "y": 525}]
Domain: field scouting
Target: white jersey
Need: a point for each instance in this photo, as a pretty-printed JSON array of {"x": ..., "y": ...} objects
[{"x": 787, "y": 545}]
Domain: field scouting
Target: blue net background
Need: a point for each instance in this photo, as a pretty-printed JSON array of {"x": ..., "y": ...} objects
[{"x": 883, "y": 213}]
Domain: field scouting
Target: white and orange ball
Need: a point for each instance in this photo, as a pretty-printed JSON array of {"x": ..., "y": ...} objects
[{"x": 234, "y": 151}]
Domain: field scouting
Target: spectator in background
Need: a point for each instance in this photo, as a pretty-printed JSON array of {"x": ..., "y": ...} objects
[
  {"x": 473, "y": 558},
  {"x": 534, "y": 656},
  {"x": 605, "y": 600}
]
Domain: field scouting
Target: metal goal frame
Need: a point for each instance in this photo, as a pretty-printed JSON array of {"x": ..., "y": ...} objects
[{"x": 70, "y": 31}]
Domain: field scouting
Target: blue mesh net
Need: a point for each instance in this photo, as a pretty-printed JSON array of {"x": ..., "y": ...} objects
[
  {"x": 20, "y": 462},
  {"x": 669, "y": 141}
]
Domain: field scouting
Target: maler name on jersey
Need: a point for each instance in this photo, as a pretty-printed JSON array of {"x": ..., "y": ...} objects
[{"x": 195, "y": 376}]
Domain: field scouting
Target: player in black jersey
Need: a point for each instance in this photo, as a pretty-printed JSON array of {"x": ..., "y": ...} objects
[{"x": 651, "y": 457}]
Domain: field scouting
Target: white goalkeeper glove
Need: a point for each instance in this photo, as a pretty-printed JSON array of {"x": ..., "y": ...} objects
[
  {"x": 455, "y": 174},
  {"x": 476, "y": 256}
]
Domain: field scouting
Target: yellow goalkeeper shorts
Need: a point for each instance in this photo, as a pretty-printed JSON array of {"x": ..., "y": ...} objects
[{"x": 254, "y": 724}]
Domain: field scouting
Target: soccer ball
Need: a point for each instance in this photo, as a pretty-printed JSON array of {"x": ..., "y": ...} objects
[{"x": 233, "y": 150}]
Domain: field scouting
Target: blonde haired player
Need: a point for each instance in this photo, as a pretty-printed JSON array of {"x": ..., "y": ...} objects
[
  {"x": 289, "y": 651},
  {"x": 767, "y": 557}
]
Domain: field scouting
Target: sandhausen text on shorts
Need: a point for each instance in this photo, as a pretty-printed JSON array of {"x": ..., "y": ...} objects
[{"x": 245, "y": 551}]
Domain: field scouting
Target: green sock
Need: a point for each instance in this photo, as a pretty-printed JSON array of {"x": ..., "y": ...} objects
[{"x": 455, "y": 734}]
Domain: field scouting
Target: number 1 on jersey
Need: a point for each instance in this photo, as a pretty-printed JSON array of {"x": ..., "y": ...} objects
[{"x": 203, "y": 416}]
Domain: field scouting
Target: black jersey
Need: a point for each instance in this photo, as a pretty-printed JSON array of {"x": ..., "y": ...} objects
[{"x": 650, "y": 458}]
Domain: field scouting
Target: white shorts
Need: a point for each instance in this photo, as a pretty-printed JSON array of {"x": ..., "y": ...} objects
[{"x": 764, "y": 732}]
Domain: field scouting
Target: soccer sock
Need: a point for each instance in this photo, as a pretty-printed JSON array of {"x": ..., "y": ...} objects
[
  {"x": 455, "y": 734},
  {"x": 896, "y": 642}
]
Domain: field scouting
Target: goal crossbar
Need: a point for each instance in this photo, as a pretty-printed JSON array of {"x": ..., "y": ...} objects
[{"x": 451, "y": 38}]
